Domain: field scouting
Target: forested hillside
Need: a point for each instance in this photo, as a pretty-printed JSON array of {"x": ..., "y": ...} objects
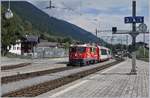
[{"x": 30, "y": 20}]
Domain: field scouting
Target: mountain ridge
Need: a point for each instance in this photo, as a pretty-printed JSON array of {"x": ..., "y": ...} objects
[{"x": 51, "y": 25}]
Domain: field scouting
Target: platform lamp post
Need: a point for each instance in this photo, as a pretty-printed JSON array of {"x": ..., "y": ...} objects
[{"x": 8, "y": 13}]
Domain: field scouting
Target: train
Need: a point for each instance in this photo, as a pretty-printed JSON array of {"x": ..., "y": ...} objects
[{"x": 86, "y": 54}]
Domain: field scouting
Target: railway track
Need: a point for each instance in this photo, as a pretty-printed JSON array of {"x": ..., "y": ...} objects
[
  {"x": 9, "y": 67},
  {"x": 13, "y": 78},
  {"x": 38, "y": 89}
]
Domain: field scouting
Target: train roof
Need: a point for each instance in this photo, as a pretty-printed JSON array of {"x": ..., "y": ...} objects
[
  {"x": 88, "y": 45},
  {"x": 102, "y": 47},
  {"x": 82, "y": 45}
]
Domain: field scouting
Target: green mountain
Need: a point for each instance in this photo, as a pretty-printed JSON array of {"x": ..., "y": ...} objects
[{"x": 36, "y": 20}]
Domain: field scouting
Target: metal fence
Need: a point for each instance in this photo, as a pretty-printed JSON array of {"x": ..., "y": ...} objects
[{"x": 45, "y": 52}]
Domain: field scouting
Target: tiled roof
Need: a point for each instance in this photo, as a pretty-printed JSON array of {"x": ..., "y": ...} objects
[
  {"x": 47, "y": 44},
  {"x": 31, "y": 39}
]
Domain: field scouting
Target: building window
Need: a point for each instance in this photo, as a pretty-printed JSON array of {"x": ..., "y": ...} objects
[
  {"x": 18, "y": 48},
  {"x": 14, "y": 48}
]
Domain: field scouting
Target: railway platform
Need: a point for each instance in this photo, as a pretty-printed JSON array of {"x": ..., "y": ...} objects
[
  {"x": 36, "y": 65},
  {"x": 5, "y": 61},
  {"x": 113, "y": 82}
]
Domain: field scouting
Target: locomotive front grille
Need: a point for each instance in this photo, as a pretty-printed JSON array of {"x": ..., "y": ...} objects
[{"x": 77, "y": 61}]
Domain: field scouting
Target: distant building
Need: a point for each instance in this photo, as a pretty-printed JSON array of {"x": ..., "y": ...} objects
[
  {"x": 147, "y": 46},
  {"x": 16, "y": 49},
  {"x": 28, "y": 44},
  {"x": 49, "y": 49},
  {"x": 33, "y": 46},
  {"x": 25, "y": 45}
]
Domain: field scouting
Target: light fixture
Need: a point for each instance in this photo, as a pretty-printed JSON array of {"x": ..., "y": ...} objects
[{"x": 8, "y": 13}]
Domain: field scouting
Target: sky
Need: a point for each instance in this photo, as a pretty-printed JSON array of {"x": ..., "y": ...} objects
[{"x": 100, "y": 14}]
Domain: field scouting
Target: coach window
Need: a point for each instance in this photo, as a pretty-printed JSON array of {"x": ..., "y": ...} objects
[
  {"x": 14, "y": 48},
  {"x": 18, "y": 48},
  {"x": 103, "y": 52},
  {"x": 109, "y": 52}
]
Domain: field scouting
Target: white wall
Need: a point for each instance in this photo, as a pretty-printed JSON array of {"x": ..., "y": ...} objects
[{"x": 16, "y": 49}]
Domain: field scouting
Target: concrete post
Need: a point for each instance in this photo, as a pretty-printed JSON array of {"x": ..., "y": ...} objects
[{"x": 133, "y": 70}]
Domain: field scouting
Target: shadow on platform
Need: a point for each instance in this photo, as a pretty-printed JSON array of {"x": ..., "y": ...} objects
[
  {"x": 62, "y": 63},
  {"x": 114, "y": 73}
]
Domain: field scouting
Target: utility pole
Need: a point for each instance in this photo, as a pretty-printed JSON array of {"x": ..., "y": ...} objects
[
  {"x": 126, "y": 45},
  {"x": 112, "y": 42},
  {"x": 96, "y": 32},
  {"x": 50, "y": 5},
  {"x": 134, "y": 35},
  {"x": 144, "y": 44}
]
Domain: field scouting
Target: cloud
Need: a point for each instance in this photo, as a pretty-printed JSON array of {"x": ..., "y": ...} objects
[{"x": 92, "y": 14}]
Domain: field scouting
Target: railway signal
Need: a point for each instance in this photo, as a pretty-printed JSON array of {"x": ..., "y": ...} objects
[{"x": 114, "y": 29}]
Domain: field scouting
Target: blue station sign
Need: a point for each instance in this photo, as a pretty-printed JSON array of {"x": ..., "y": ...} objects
[{"x": 137, "y": 19}]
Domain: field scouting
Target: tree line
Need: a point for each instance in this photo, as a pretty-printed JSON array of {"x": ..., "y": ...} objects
[{"x": 16, "y": 28}]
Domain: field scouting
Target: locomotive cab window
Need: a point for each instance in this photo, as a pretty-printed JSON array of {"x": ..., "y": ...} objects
[
  {"x": 109, "y": 52},
  {"x": 72, "y": 49},
  {"x": 93, "y": 50},
  {"x": 81, "y": 49},
  {"x": 77, "y": 49}
]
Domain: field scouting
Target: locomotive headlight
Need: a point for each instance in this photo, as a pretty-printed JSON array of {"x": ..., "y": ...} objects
[
  {"x": 8, "y": 14},
  {"x": 75, "y": 55}
]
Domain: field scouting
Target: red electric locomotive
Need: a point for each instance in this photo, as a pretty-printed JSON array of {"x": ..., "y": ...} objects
[{"x": 87, "y": 54}]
